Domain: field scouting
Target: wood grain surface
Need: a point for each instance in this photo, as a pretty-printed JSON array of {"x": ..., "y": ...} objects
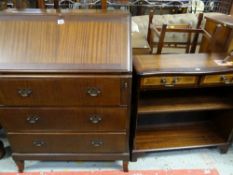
[
  {"x": 50, "y": 40},
  {"x": 193, "y": 135},
  {"x": 64, "y": 119},
  {"x": 179, "y": 64},
  {"x": 68, "y": 143},
  {"x": 226, "y": 20}
]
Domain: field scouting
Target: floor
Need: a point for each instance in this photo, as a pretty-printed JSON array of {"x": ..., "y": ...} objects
[{"x": 206, "y": 159}]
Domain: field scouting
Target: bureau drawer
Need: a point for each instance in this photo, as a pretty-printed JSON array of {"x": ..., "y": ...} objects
[
  {"x": 168, "y": 81},
  {"x": 64, "y": 91},
  {"x": 64, "y": 119},
  {"x": 69, "y": 143},
  {"x": 219, "y": 79}
]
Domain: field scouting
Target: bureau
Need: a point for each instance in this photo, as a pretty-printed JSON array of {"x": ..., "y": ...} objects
[
  {"x": 182, "y": 101},
  {"x": 65, "y": 84},
  {"x": 221, "y": 27}
]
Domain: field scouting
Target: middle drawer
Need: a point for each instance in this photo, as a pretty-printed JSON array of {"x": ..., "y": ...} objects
[{"x": 66, "y": 119}]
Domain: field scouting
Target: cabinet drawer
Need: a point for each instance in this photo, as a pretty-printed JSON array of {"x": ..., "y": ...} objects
[
  {"x": 221, "y": 79},
  {"x": 60, "y": 91},
  {"x": 64, "y": 119},
  {"x": 68, "y": 143},
  {"x": 168, "y": 81}
]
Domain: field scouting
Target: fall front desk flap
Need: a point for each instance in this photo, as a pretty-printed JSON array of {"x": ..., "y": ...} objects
[{"x": 77, "y": 41}]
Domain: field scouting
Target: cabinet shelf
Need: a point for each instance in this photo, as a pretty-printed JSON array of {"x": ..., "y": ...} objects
[
  {"x": 152, "y": 105},
  {"x": 176, "y": 137}
]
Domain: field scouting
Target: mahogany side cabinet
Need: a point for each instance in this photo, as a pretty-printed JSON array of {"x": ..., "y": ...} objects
[
  {"x": 65, "y": 84},
  {"x": 182, "y": 101}
]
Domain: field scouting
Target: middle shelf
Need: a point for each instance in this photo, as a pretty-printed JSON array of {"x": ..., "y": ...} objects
[{"x": 150, "y": 105}]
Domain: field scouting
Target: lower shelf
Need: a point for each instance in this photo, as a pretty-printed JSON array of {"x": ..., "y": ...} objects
[{"x": 176, "y": 137}]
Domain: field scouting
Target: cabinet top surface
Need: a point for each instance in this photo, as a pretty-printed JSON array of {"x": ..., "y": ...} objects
[
  {"x": 65, "y": 41},
  {"x": 226, "y": 20},
  {"x": 181, "y": 64}
]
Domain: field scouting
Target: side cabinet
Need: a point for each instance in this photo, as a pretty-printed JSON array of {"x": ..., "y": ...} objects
[{"x": 178, "y": 108}]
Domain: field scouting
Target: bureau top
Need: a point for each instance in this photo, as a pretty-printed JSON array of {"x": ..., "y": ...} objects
[
  {"x": 181, "y": 64},
  {"x": 65, "y": 41}
]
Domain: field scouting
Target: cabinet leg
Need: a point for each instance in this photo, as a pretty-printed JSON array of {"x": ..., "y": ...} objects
[
  {"x": 20, "y": 165},
  {"x": 134, "y": 158},
  {"x": 223, "y": 149},
  {"x": 125, "y": 166},
  {"x": 2, "y": 150}
]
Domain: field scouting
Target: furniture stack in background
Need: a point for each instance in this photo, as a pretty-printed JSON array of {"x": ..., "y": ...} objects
[{"x": 139, "y": 33}]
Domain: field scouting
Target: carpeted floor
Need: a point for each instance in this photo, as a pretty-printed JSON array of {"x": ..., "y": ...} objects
[{"x": 149, "y": 172}]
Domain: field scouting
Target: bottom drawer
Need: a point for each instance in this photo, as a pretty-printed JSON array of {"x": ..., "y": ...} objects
[{"x": 68, "y": 143}]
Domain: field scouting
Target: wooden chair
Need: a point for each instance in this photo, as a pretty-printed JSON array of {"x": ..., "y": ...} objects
[
  {"x": 171, "y": 28},
  {"x": 160, "y": 32}
]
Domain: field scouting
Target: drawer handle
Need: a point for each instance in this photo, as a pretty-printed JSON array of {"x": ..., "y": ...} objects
[
  {"x": 95, "y": 119},
  {"x": 33, "y": 119},
  {"x": 93, "y": 92},
  {"x": 165, "y": 84},
  {"x": 25, "y": 92},
  {"x": 97, "y": 143},
  {"x": 38, "y": 143},
  {"x": 225, "y": 80}
]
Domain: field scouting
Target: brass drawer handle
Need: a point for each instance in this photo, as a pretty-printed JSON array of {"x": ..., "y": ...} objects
[
  {"x": 93, "y": 92},
  {"x": 225, "y": 80},
  {"x": 165, "y": 84},
  {"x": 24, "y": 92},
  {"x": 33, "y": 119},
  {"x": 38, "y": 143},
  {"x": 95, "y": 119},
  {"x": 97, "y": 143}
]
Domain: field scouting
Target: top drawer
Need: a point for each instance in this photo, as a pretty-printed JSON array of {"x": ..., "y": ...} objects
[
  {"x": 64, "y": 91},
  {"x": 168, "y": 81},
  {"x": 219, "y": 79}
]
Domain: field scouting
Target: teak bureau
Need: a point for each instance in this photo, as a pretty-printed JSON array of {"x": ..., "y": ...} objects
[{"x": 65, "y": 84}]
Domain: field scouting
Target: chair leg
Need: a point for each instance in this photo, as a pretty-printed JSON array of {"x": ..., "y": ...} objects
[
  {"x": 125, "y": 166},
  {"x": 188, "y": 43},
  {"x": 196, "y": 35},
  {"x": 161, "y": 39}
]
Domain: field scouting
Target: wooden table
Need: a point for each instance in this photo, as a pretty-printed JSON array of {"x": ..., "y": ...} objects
[
  {"x": 65, "y": 82},
  {"x": 181, "y": 101}
]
